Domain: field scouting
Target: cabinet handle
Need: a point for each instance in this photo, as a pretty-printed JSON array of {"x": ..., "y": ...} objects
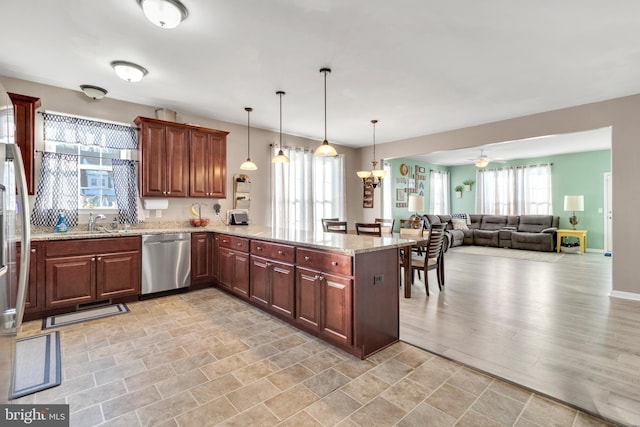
[
  {"x": 307, "y": 258},
  {"x": 334, "y": 263},
  {"x": 258, "y": 248},
  {"x": 93, "y": 259},
  {"x": 280, "y": 252},
  {"x": 99, "y": 258},
  {"x": 224, "y": 240},
  {"x": 239, "y": 244},
  {"x": 33, "y": 251}
]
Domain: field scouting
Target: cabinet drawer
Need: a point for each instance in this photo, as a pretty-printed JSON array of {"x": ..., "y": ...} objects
[
  {"x": 232, "y": 242},
  {"x": 324, "y": 261},
  {"x": 273, "y": 251},
  {"x": 55, "y": 248}
]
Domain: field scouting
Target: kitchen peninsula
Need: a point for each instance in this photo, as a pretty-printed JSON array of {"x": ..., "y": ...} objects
[{"x": 341, "y": 288}]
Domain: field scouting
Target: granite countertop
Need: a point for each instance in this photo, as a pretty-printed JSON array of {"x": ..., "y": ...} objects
[{"x": 346, "y": 243}]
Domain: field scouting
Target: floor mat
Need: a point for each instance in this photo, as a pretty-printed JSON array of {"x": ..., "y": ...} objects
[
  {"x": 83, "y": 316},
  {"x": 36, "y": 364}
]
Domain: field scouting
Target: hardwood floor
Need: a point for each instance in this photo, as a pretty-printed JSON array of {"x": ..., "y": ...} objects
[{"x": 548, "y": 326}]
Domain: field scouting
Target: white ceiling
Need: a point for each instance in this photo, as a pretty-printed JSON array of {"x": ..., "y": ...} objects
[{"x": 418, "y": 66}]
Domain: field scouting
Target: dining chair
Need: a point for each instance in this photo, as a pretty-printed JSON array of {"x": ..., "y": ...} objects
[
  {"x": 336, "y": 227},
  {"x": 369, "y": 229},
  {"x": 386, "y": 225},
  {"x": 325, "y": 220},
  {"x": 433, "y": 258}
]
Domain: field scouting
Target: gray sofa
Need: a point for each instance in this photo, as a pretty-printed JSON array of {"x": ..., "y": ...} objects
[{"x": 530, "y": 232}]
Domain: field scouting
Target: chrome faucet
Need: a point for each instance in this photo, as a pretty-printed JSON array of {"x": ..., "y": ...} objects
[{"x": 92, "y": 220}]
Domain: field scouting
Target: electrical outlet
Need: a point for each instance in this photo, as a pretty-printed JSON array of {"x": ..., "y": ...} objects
[
  {"x": 158, "y": 213},
  {"x": 377, "y": 279}
]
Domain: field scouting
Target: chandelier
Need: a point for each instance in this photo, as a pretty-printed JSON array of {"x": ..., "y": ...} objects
[{"x": 377, "y": 174}]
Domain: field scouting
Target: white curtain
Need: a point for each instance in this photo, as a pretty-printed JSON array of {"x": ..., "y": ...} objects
[
  {"x": 307, "y": 189},
  {"x": 523, "y": 190},
  {"x": 439, "y": 191}
]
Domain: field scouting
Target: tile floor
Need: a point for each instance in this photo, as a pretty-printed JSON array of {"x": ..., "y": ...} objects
[{"x": 206, "y": 358}]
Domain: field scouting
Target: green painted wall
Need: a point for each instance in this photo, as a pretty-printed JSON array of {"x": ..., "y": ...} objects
[{"x": 577, "y": 173}]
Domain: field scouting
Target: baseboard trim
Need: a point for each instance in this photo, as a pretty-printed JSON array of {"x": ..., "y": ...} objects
[
  {"x": 595, "y": 251},
  {"x": 625, "y": 295}
]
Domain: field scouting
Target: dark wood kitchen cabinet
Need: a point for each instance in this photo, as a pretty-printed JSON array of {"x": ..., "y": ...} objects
[
  {"x": 203, "y": 258},
  {"x": 88, "y": 270},
  {"x": 233, "y": 264},
  {"x": 272, "y": 277},
  {"x": 24, "y": 108},
  {"x": 323, "y": 295},
  {"x": 208, "y": 163},
  {"x": 178, "y": 160},
  {"x": 35, "y": 297},
  {"x": 164, "y": 159}
]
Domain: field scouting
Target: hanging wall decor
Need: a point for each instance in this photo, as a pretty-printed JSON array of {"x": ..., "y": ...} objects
[{"x": 367, "y": 193}]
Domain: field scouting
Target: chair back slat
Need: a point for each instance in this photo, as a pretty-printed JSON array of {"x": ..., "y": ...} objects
[
  {"x": 325, "y": 220},
  {"x": 336, "y": 227},
  {"x": 369, "y": 229},
  {"x": 386, "y": 225},
  {"x": 436, "y": 240}
]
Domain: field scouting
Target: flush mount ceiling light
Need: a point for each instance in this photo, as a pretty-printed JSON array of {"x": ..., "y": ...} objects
[
  {"x": 248, "y": 165},
  {"x": 280, "y": 158},
  {"x": 377, "y": 174},
  {"x": 129, "y": 71},
  {"x": 93, "y": 92},
  {"x": 325, "y": 150},
  {"x": 164, "y": 13}
]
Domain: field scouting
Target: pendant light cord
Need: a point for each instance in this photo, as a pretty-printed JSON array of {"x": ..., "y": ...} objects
[
  {"x": 248, "y": 110},
  {"x": 280, "y": 93},
  {"x": 374, "y": 140},
  {"x": 325, "y": 105}
]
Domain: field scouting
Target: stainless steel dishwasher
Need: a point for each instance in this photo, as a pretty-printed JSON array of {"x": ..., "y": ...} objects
[{"x": 166, "y": 262}]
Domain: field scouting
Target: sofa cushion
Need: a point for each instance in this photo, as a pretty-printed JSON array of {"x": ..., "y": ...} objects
[
  {"x": 534, "y": 223},
  {"x": 493, "y": 222},
  {"x": 433, "y": 219},
  {"x": 485, "y": 237},
  {"x": 474, "y": 221},
  {"x": 446, "y": 219},
  {"x": 459, "y": 224}
]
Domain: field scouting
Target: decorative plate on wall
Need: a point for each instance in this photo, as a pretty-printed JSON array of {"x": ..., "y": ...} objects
[{"x": 404, "y": 169}]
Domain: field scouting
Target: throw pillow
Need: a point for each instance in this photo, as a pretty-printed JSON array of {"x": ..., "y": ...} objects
[{"x": 459, "y": 224}]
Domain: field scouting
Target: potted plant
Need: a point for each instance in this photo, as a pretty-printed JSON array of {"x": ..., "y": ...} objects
[
  {"x": 467, "y": 185},
  {"x": 459, "y": 189}
]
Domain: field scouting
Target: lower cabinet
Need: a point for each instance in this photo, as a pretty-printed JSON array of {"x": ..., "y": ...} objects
[
  {"x": 84, "y": 271},
  {"x": 323, "y": 304},
  {"x": 203, "y": 258},
  {"x": 233, "y": 264},
  {"x": 273, "y": 277}
]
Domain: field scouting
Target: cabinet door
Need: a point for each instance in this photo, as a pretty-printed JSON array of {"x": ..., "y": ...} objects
[
  {"x": 240, "y": 281},
  {"x": 118, "y": 275},
  {"x": 336, "y": 308},
  {"x": 308, "y": 297},
  {"x": 260, "y": 280},
  {"x": 200, "y": 257},
  {"x": 217, "y": 169},
  {"x": 177, "y": 162},
  {"x": 199, "y": 162},
  {"x": 31, "y": 302},
  {"x": 69, "y": 280},
  {"x": 152, "y": 146},
  {"x": 226, "y": 265},
  {"x": 24, "y": 108},
  {"x": 282, "y": 288}
]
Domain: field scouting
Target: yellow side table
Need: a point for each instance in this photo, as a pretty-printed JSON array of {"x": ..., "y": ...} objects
[{"x": 580, "y": 234}]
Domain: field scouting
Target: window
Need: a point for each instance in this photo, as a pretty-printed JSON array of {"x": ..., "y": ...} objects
[
  {"x": 522, "y": 190},
  {"x": 306, "y": 189},
  {"x": 86, "y": 166},
  {"x": 439, "y": 192}
]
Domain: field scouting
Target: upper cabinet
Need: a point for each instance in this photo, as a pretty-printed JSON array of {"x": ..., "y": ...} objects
[
  {"x": 208, "y": 169},
  {"x": 25, "y": 112},
  {"x": 180, "y": 160}
]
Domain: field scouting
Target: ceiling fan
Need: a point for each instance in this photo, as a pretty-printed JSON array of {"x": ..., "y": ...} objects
[{"x": 484, "y": 160}]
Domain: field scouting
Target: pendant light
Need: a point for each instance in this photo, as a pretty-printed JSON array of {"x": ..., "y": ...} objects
[
  {"x": 377, "y": 174},
  {"x": 325, "y": 150},
  {"x": 280, "y": 158},
  {"x": 248, "y": 165}
]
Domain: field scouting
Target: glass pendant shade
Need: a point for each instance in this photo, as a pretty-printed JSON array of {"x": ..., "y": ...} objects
[
  {"x": 363, "y": 174},
  {"x": 248, "y": 165},
  {"x": 482, "y": 163},
  {"x": 164, "y": 13},
  {"x": 325, "y": 149},
  {"x": 280, "y": 157}
]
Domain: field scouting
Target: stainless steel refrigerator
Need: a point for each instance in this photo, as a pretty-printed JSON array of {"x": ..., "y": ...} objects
[{"x": 14, "y": 228}]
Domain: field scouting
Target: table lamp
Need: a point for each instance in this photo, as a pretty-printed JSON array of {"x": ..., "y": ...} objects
[
  {"x": 574, "y": 203},
  {"x": 416, "y": 204}
]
